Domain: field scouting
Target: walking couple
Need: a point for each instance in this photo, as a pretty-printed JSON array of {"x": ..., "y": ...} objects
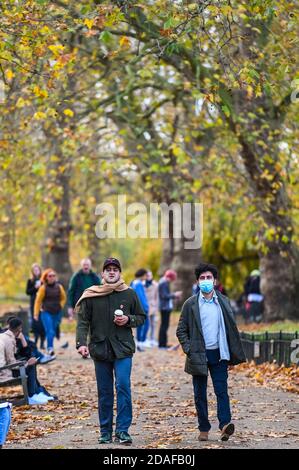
[{"x": 206, "y": 331}]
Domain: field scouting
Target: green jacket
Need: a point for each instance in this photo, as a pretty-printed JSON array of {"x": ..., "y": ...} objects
[{"x": 107, "y": 340}]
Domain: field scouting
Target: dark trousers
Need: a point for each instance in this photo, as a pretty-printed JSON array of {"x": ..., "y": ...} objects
[
  {"x": 33, "y": 384},
  {"x": 165, "y": 316},
  {"x": 219, "y": 375},
  {"x": 38, "y": 331},
  {"x": 105, "y": 372}
]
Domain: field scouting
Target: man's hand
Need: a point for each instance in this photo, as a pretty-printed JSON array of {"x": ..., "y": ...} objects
[
  {"x": 21, "y": 337},
  {"x": 32, "y": 361},
  {"x": 178, "y": 294},
  {"x": 70, "y": 312},
  {"x": 121, "y": 321},
  {"x": 83, "y": 350}
]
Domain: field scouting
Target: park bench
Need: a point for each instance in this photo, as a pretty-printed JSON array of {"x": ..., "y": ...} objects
[{"x": 21, "y": 380}]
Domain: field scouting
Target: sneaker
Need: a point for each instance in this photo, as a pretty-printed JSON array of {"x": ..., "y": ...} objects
[
  {"x": 105, "y": 438},
  {"x": 36, "y": 400},
  {"x": 147, "y": 344},
  {"x": 43, "y": 396},
  {"x": 65, "y": 345},
  {"x": 51, "y": 352},
  {"x": 123, "y": 438},
  {"x": 154, "y": 343},
  {"x": 45, "y": 359},
  {"x": 53, "y": 397},
  {"x": 139, "y": 346},
  {"x": 227, "y": 431}
]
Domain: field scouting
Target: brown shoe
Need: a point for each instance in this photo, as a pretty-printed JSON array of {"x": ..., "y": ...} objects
[
  {"x": 227, "y": 431},
  {"x": 203, "y": 436}
]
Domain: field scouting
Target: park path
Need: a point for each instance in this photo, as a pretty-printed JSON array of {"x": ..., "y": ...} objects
[{"x": 164, "y": 414}]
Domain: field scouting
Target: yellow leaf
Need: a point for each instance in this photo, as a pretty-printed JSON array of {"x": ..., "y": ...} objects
[
  {"x": 124, "y": 41},
  {"x": 39, "y": 115},
  {"x": 9, "y": 74},
  {"x": 56, "y": 49},
  {"x": 89, "y": 23},
  {"x": 39, "y": 92},
  {"x": 68, "y": 112}
]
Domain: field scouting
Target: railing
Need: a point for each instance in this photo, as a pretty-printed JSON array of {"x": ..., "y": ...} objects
[{"x": 281, "y": 347}]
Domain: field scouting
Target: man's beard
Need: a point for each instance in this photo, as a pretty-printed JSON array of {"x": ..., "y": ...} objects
[{"x": 109, "y": 281}]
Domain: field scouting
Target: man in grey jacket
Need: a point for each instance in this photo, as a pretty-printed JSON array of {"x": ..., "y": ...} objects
[{"x": 209, "y": 337}]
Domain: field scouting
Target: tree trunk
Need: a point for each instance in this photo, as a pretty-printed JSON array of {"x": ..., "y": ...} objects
[
  {"x": 183, "y": 260},
  {"x": 55, "y": 252},
  {"x": 279, "y": 284}
]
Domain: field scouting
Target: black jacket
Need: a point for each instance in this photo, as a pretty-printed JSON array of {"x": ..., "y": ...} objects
[
  {"x": 31, "y": 290},
  {"x": 190, "y": 335}
]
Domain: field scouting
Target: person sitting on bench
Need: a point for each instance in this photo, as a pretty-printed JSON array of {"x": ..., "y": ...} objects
[{"x": 36, "y": 393}]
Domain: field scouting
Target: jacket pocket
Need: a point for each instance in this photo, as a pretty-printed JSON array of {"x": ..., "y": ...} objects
[
  {"x": 197, "y": 357},
  {"x": 99, "y": 350},
  {"x": 127, "y": 345}
]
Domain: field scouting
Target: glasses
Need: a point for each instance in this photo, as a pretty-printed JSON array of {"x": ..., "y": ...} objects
[{"x": 208, "y": 277}]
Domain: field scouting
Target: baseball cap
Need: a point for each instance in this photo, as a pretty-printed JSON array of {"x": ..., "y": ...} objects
[{"x": 113, "y": 261}]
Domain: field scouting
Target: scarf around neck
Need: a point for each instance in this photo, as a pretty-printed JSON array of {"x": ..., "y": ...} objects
[{"x": 102, "y": 290}]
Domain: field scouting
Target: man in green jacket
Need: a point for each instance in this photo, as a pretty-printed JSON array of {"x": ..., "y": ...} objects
[
  {"x": 80, "y": 281},
  {"x": 109, "y": 312},
  {"x": 210, "y": 339}
]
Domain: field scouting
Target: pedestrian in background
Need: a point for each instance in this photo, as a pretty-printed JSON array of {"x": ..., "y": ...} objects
[
  {"x": 33, "y": 284},
  {"x": 80, "y": 281},
  {"x": 166, "y": 304},
  {"x": 152, "y": 294},
  {"x": 50, "y": 300},
  {"x": 138, "y": 286}
]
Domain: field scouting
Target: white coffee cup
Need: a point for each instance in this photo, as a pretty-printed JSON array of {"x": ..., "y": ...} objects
[{"x": 118, "y": 313}]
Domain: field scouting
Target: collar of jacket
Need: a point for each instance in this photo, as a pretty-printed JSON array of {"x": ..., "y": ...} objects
[
  {"x": 195, "y": 310},
  {"x": 10, "y": 334}
]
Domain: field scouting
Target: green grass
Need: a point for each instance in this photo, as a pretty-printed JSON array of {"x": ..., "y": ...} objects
[
  {"x": 286, "y": 326},
  {"x": 68, "y": 327}
]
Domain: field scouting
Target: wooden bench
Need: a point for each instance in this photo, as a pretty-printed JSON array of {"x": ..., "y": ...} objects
[{"x": 22, "y": 380}]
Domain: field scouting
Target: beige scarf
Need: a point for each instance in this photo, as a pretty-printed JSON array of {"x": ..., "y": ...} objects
[{"x": 100, "y": 291}]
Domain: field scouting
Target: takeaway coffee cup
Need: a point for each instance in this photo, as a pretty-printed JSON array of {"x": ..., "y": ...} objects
[{"x": 118, "y": 313}]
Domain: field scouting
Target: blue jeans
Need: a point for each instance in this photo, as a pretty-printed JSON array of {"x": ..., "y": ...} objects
[
  {"x": 5, "y": 418},
  {"x": 50, "y": 321},
  {"x": 143, "y": 330},
  {"x": 104, "y": 375},
  {"x": 219, "y": 375}
]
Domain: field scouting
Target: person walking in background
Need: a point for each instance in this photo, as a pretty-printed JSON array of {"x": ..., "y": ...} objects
[
  {"x": 109, "y": 312},
  {"x": 166, "y": 304},
  {"x": 254, "y": 297},
  {"x": 210, "y": 339},
  {"x": 138, "y": 286},
  {"x": 33, "y": 284},
  {"x": 152, "y": 294},
  {"x": 80, "y": 281},
  {"x": 51, "y": 298}
]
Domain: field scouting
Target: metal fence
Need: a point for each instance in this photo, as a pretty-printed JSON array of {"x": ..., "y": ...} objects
[{"x": 271, "y": 347}]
